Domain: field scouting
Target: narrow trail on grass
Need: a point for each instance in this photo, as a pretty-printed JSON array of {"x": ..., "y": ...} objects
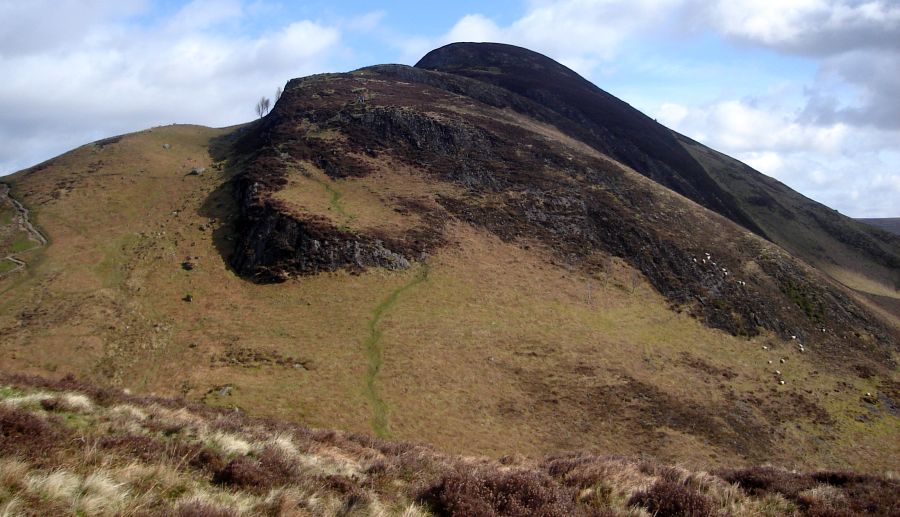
[
  {"x": 374, "y": 353},
  {"x": 33, "y": 233},
  {"x": 335, "y": 200}
]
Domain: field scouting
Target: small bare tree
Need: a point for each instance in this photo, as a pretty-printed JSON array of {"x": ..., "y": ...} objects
[
  {"x": 262, "y": 107},
  {"x": 635, "y": 280},
  {"x": 278, "y": 92}
]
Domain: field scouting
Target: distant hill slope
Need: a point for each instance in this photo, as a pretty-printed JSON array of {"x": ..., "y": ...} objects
[
  {"x": 888, "y": 224},
  {"x": 854, "y": 254},
  {"x": 430, "y": 257},
  {"x": 858, "y": 255}
]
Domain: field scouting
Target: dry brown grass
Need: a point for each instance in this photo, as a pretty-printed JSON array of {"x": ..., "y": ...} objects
[
  {"x": 501, "y": 348},
  {"x": 107, "y": 466}
]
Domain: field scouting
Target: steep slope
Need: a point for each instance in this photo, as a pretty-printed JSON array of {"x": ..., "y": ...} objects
[
  {"x": 590, "y": 114},
  {"x": 529, "y": 185},
  {"x": 855, "y": 255},
  {"x": 432, "y": 260},
  {"x": 514, "y": 177}
]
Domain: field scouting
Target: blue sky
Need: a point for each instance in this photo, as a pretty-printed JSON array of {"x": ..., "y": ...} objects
[{"x": 803, "y": 90}]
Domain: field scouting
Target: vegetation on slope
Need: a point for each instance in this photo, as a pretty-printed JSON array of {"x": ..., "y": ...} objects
[
  {"x": 858, "y": 255},
  {"x": 888, "y": 224},
  {"x": 584, "y": 111},
  {"x": 507, "y": 346},
  {"x": 72, "y": 448}
]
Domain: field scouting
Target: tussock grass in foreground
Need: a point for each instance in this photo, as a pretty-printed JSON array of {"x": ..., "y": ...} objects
[{"x": 71, "y": 448}]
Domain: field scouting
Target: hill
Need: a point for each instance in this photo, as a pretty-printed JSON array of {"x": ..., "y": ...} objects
[
  {"x": 70, "y": 448},
  {"x": 855, "y": 254},
  {"x": 433, "y": 257},
  {"x": 888, "y": 224}
]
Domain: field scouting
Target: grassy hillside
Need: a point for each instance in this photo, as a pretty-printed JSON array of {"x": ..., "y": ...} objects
[
  {"x": 70, "y": 448},
  {"x": 487, "y": 347},
  {"x": 888, "y": 224},
  {"x": 859, "y": 256}
]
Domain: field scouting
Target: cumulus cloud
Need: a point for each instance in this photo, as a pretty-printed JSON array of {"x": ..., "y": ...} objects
[
  {"x": 851, "y": 103},
  {"x": 816, "y": 27},
  {"x": 114, "y": 75},
  {"x": 579, "y": 33},
  {"x": 857, "y": 43},
  {"x": 42, "y": 25},
  {"x": 843, "y": 168}
]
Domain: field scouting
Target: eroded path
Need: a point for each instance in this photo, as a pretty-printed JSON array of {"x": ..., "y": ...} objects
[
  {"x": 20, "y": 219},
  {"x": 374, "y": 353}
]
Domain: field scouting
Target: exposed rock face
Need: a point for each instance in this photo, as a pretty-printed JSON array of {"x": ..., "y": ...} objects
[
  {"x": 275, "y": 245},
  {"x": 513, "y": 177}
]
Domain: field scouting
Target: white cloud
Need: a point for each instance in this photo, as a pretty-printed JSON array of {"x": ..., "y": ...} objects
[
  {"x": 474, "y": 27},
  {"x": 843, "y": 168},
  {"x": 809, "y": 26},
  {"x": 578, "y": 33},
  {"x": 113, "y": 76},
  {"x": 41, "y": 25},
  {"x": 858, "y": 43},
  {"x": 671, "y": 114},
  {"x": 740, "y": 126},
  {"x": 767, "y": 161}
]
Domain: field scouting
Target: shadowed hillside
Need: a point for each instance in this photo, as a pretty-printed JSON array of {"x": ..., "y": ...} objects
[
  {"x": 888, "y": 224},
  {"x": 852, "y": 253},
  {"x": 590, "y": 114},
  {"x": 860, "y": 256}
]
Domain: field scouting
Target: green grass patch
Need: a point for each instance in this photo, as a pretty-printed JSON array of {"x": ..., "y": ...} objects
[
  {"x": 335, "y": 200},
  {"x": 6, "y": 216},
  {"x": 75, "y": 420},
  {"x": 9, "y": 392},
  {"x": 802, "y": 299},
  {"x": 22, "y": 243},
  {"x": 6, "y": 266},
  {"x": 112, "y": 269},
  {"x": 374, "y": 354}
]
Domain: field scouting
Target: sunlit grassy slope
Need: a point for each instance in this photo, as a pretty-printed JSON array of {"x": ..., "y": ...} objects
[{"x": 486, "y": 347}]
